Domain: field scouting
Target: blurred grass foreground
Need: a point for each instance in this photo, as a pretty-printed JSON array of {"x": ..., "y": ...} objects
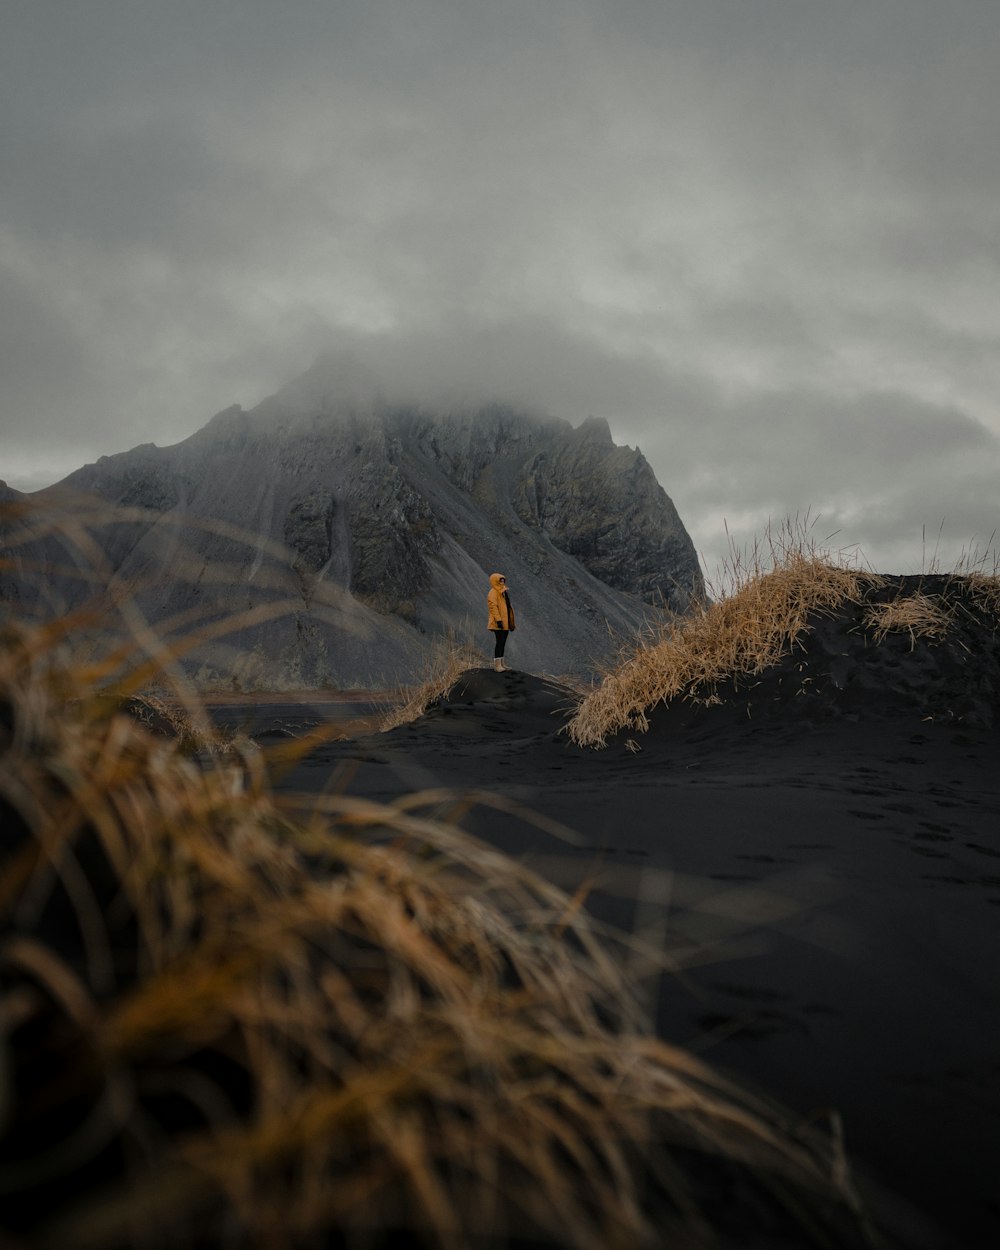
[{"x": 233, "y": 1018}]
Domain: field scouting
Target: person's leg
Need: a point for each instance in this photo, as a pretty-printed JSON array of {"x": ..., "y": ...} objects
[{"x": 501, "y": 641}]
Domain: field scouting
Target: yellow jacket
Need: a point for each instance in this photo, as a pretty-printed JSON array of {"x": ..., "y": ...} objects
[{"x": 501, "y": 611}]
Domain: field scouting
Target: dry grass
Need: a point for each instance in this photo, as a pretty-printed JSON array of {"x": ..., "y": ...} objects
[
  {"x": 986, "y": 588},
  {"x": 770, "y": 593},
  {"x": 919, "y": 615},
  {"x": 447, "y": 661},
  {"x": 979, "y": 569},
  {"x": 231, "y": 1020},
  {"x": 194, "y": 734}
]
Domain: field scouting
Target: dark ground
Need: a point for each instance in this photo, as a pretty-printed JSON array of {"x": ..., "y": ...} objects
[{"x": 823, "y": 872}]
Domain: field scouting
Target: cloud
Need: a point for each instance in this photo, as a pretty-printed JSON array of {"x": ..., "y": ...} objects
[
  {"x": 875, "y": 471},
  {"x": 760, "y": 238}
]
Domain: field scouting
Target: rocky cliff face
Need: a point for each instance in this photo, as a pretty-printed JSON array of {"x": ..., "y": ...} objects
[
  {"x": 348, "y": 531},
  {"x": 603, "y": 505}
]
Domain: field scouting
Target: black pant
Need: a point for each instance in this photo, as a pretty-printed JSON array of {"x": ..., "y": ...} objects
[{"x": 501, "y": 636}]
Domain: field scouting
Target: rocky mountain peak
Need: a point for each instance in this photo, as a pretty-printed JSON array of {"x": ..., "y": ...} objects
[{"x": 389, "y": 518}]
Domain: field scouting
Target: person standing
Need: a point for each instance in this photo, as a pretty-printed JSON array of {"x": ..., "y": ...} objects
[{"x": 501, "y": 617}]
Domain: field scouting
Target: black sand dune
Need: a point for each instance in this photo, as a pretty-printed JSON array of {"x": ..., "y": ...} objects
[{"x": 818, "y": 856}]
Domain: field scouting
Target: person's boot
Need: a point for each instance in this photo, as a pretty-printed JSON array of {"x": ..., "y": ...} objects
[{"x": 498, "y": 666}]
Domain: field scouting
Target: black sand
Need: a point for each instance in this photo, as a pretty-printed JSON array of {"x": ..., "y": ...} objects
[{"x": 819, "y": 858}]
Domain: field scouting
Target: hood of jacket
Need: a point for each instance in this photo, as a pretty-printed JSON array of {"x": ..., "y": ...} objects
[{"x": 495, "y": 582}]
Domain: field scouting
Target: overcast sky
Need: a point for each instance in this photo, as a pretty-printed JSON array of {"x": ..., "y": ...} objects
[{"x": 761, "y": 237}]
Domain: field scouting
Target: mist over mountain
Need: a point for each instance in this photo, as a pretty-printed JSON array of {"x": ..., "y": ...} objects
[{"x": 350, "y": 527}]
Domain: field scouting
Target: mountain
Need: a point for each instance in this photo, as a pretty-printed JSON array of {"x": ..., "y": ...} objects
[{"x": 349, "y": 531}]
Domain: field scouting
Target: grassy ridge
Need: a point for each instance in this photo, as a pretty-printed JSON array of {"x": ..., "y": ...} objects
[
  {"x": 773, "y": 598},
  {"x": 447, "y": 660}
]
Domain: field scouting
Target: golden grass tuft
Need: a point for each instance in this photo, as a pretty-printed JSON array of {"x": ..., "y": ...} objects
[
  {"x": 447, "y": 660},
  {"x": 769, "y": 596},
  {"x": 919, "y": 615},
  {"x": 193, "y": 734},
  {"x": 986, "y": 588},
  {"x": 233, "y": 1019}
]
